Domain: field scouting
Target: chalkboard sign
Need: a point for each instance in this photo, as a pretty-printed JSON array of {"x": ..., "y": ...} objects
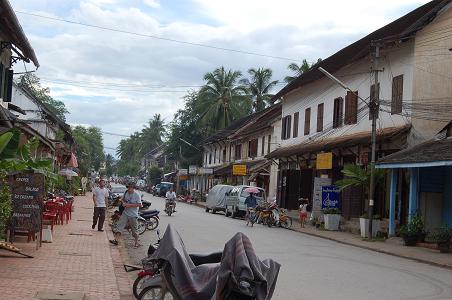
[{"x": 28, "y": 191}]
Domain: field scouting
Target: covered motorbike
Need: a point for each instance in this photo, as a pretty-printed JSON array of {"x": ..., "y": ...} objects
[{"x": 239, "y": 275}]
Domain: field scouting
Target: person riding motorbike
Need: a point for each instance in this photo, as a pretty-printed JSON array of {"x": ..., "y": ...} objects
[
  {"x": 170, "y": 199},
  {"x": 251, "y": 204}
]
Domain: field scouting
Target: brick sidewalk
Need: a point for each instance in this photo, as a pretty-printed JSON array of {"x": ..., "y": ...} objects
[{"x": 82, "y": 263}]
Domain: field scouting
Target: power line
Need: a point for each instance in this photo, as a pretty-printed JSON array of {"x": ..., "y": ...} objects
[
  {"x": 156, "y": 37},
  {"x": 115, "y": 134}
]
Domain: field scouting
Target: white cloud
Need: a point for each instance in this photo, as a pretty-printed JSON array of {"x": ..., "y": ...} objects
[
  {"x": 115, "y": 76},
  {"x": 152, "y": 3}
]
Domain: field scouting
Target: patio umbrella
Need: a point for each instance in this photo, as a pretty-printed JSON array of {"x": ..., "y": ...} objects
[
  {"x": 252, "y": 190},
  {"x": 67, "y": 172}
]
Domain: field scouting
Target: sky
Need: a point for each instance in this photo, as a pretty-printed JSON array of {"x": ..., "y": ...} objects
[{"x": 118, "y": 81}]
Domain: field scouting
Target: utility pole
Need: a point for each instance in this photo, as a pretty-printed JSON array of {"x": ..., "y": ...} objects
[{"x": 374, "y": 107}]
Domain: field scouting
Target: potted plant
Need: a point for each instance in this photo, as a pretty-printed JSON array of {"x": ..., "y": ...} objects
[
  {"x": 442, "y": 238},
  {"x": 364, "y": 225},
  {"x": 331, "y": 216},
  {"x": 356, "y": 175},
  {"x": 409, "y": 234}
]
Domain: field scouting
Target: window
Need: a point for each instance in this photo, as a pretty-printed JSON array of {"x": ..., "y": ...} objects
[
  {"x": 351, "y": 108},
  {"x": 285, "y": 128},
  {"x": 238, "y": 151},
  {"x": 215, "y": 156},
  {"x": 210, "y": 158},
  {"x": 263, "y": 146},
  {"x": 320, "y": 117},
  {"x": 397, "y": 95},
  {"x": 224, "y": 155},
  {"x": 205, "y": 158},
  {"x": 307, "y": 120},
  {"x": 295, "y": 124},
  {"x": 337, "y": 112},
  {"x": 252, "y": 148},
  {"x": 372, "y": 99},
  {"x": 269, "y": 143}
]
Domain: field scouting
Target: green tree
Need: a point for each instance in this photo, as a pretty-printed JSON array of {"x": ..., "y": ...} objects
[
  {"x": 186, "y": 125},
  {"x": 259, "y": 86},
  {"x": 109, "y": 165},
  {"x": 32, "y": 82},
  {"x": 356, "y": 175},
  {"x": 90, "y": 148},
  {"x": 299, "y": 69},
  {"x": 155, "y": 175},
  {"x": 222, "y": 99}
]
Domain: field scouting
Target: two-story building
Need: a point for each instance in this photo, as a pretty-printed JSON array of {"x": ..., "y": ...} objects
[
  {"x": 325, "y": 127},
  {"x": 236, "y": 154},
  {"x": 14, "y": 47}
]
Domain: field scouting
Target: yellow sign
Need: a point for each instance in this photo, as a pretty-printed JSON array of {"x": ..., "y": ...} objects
[
  {"x": 324, "y": 161},
  {"x": 239, "y": 170}
]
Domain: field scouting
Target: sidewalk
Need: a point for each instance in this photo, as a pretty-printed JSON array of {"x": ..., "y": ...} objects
[
  {"x": 80, "y": 263},
  {"x": 392, "y": 246}
]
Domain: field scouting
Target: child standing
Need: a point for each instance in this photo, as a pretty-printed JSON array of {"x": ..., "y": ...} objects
[{"x": 303, "y": 212}]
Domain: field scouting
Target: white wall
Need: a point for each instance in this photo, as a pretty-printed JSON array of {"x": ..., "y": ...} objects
[{"x": 393, "y": 63}]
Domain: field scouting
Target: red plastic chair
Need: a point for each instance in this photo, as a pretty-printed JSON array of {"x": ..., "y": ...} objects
[{"x": 51, "y": 213}]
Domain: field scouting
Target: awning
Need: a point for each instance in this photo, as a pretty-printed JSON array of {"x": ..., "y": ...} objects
[
  {"x": 434, "y": 153},
  {"x": 339, "y": 142}
]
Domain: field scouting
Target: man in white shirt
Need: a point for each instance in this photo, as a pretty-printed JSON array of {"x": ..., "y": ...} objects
[
  {"x": 170, "y": 198},
  {"x": 100, "y": 199}
]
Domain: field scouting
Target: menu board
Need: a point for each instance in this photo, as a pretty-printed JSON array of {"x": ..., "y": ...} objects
[{"x": 28, "y": 192}]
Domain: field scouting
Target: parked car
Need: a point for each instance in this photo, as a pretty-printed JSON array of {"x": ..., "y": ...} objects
[
  {"x": 216, "y": 198},
  {"x": 162, "y": 188},
  {"x": 117, "y": 191},
  {"x": 156, "y": 189},
  {"x": 235, "y": 200}
]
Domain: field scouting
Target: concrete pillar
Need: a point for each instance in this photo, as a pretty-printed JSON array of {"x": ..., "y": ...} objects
[
  {"x": 392, "y": 201},
  {"x": 413, "y": 200}
]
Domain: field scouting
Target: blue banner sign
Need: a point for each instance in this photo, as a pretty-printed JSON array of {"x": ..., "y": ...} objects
[{"x": 330, "y": 196}]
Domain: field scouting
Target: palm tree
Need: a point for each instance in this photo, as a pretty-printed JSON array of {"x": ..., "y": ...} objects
[
  {"x": 299, "y": 69},
  {"x": 222, "y": 99},
  {"x": 259, "y": 87},
  {"x": 355, "y": 175}
]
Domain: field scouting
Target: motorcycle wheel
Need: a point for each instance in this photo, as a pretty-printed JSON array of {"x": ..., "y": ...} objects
[
  {"x": 153, "y": 223},
  {"x": 138, "y": 283},
  {"x": 141, "y": 226},
  {"x": 154, "y": 293},
  {"x": 270, "y": 221},
  {"x": 287, "y": 222},
  {"x": 169, "y": 212}
]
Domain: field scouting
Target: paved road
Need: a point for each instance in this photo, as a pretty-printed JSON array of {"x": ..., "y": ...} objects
[{"x": 312, "y": 268}]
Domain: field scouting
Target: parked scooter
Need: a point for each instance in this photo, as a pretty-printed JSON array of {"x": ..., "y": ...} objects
[
  {"x": 231, "y": 275},
  {"x": 151, "y": 218}
]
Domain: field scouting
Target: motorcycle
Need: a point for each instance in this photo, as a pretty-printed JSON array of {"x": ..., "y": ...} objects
[
  {"x": 169, "y": 207},
  {"x": 151, "y": 218},
  {"x": 229, "y": 274}
]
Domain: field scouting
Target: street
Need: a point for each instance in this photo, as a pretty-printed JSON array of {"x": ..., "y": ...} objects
[{"x": 311, "y": 268}]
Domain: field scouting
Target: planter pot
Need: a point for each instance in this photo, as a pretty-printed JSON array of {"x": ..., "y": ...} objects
[
  {"x": 410, "y": 240},
  {"x": 364, "y": 227},
  {"x": 332, "y": 221},
  {"x": 444, "y": 246}
]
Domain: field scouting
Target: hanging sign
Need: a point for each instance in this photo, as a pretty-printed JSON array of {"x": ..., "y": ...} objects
[
  {"x": 330, "y": 196},
  {"x": 324, "y": 161},
  {"x": 192, "y": 170},
  {"x": 182, "y": 172},
  {"x": 239, "y": 170}
]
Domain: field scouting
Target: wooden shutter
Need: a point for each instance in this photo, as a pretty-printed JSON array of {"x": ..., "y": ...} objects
[
  {"x": 320, "y": 117},
  {"x": 372, "y": 97},
  {"x": 8, "y": 85},
  {"x": 295, "y": 124},
  {"x": 269, "y": 143},
  {"x": 263, "y": 146},
  {"x": 351, "y": 108},
  {"x": 1, "y": 80},
  {"x": 397, "y": 95},
  {"x": 252, "y": 148},
  {"x": 307, "y": 120},
  {"x": 338, "y": 112},
  {"x": 283, "y": 128},
  {"x": 288, "y": 126}
]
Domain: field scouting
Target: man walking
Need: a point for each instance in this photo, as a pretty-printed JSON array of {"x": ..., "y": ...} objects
[
  {"x": 100, "y": 199},
  {"x": 131, "y": 202}
]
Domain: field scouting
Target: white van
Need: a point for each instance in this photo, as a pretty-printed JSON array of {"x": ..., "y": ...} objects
[
  {"x": 235, "y": 201},
  {"x": 216, "y": 198}
]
